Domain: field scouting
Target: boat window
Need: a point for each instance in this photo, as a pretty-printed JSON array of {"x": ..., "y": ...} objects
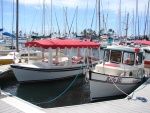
[
  {"x": 139, "y": 57},
  {"x": 128, "y": 58},
  {"x": 115, "y": 56},
  {"x": 106, "y": 55},
  {"x": 24, "y": 54},
  {"x": 31, "y": 54}
]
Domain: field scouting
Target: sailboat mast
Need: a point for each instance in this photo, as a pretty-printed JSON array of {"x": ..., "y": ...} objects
[
  {"x": 146, "y": 21},
  {"x": 136, "y": 17},
  {"x": 77, "y": 21},
  {"x": 17, "y": 21},
  {"x": 2, "y": 16},
  {"x": 44, "y": 17},
  {"x": 127, "y": 28},
  {"x": 99, "y": 16},
  {"x": 51, "y": 19},
  {"x": 120, "y": 34},
  {"x": 13, "y": 23}
]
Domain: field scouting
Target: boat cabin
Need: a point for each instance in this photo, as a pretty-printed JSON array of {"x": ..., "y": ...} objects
[{"x": 123, "y": 55}]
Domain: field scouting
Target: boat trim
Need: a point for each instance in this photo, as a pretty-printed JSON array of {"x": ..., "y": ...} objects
[{"x": 47, "y": 70}]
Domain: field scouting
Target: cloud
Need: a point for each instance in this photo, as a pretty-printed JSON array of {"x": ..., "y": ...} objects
[{"x": 127, "y": 5}]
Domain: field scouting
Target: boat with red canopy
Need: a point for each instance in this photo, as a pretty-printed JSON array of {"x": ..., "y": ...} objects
[
  {"x": 143, "y": 44},
  {"x": 55, "y": 66}
]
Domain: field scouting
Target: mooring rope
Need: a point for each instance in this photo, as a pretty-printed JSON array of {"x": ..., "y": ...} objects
[
  {"x": 38, "y": 103},
  {"x": 128, "y": 96}
]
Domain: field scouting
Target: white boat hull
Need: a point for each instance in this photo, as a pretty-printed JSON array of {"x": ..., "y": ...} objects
[
  {"x": 26, "y": 74},
  {"x": 103, "y": 86}
]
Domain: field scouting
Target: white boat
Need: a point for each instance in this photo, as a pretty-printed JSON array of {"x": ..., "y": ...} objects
[
  {"x": 143, "y": 44},
  {"x": 55, "y": 67},
  {"x": 120, "y": 72},
  {"x": 103, "y": 41},
  {"x": 12, "y": 57}
]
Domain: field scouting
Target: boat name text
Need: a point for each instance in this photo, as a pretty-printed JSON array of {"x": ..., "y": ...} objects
[{"x": 114, "y": 79}]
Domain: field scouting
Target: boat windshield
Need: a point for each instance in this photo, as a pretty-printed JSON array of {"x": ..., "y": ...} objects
[
  {"x": 132, "y": 58},
  {"x": 128, "y": 58},
  {"x": 115, "y": 56}
]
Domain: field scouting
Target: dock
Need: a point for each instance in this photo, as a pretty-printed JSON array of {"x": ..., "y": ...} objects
[
  {"x": 5, "y": 70},
  {"x": 138, "y": 102},
  {"x": 11, "y": 104},
  {"x": 135, "y": 104}
]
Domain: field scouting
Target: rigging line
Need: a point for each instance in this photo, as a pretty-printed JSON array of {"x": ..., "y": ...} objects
[
  {"x": 93, "y": 14},
  {"x": 85, "y": 15},
  {"x": 66, "y": 18},
  {"x": 34, "y": 17},
  {"x": 103, "y": 15},
  {"x": 73, "y": 20},
  {"x": 96, "y": 18},
  {"x": 47, "y": 19},
  {"x": 146, "y": 17},
  {"x": 57, "y": 21},
  {"x": 106, "y": 23}
]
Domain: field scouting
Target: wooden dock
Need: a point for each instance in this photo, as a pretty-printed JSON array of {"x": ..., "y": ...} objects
[
  {"x": 5, "y": 70},
  {"x": 13, "y": 104},
  {"x": 125, "y": 105},
  {"x": 138, "y": 103}
]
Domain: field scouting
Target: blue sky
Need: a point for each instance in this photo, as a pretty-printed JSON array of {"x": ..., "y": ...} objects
[{"x": 30, "y": 15}]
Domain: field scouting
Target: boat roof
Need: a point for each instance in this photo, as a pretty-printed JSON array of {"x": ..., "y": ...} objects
[
  {"x": 62, "y": 44},
  {"x": 124, "y": 49},
  {"x": 146, "y": 42}
]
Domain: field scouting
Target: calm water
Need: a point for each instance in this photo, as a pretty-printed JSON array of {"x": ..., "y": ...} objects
[{"x": 78, "y": 93}]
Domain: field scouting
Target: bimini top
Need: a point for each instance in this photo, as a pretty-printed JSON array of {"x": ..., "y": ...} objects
[
  {"x": 62, "y": 44},
  {"x": 141, "y": 42}
]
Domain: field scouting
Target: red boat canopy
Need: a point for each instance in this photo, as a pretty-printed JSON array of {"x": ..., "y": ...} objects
[
  {"x": 62, "y": 44},
  {"x": 141, "y": 42}
]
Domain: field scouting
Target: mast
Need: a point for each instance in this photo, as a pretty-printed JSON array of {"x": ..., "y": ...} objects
[
  {"x": 2, "y": 16},
  {"x": 43, "y": 24},
  {"x": 120, "y": 34},
  {"x": 99, "y": 16},
  {"x": 51, "y": 21},
  {"x": 17, "y": 26},
  {"x": 13, "y": 23},
  {"x": 146, "y": 21},
  {"x": 136, "y": 16},
  {"x": 127, "y": 28},
  {"x": 77, "y": 21}
]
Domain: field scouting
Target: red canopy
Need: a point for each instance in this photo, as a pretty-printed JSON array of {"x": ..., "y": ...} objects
[
  {"x": 62, "y": 44},
  {"x": 141, "y": 42}
]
